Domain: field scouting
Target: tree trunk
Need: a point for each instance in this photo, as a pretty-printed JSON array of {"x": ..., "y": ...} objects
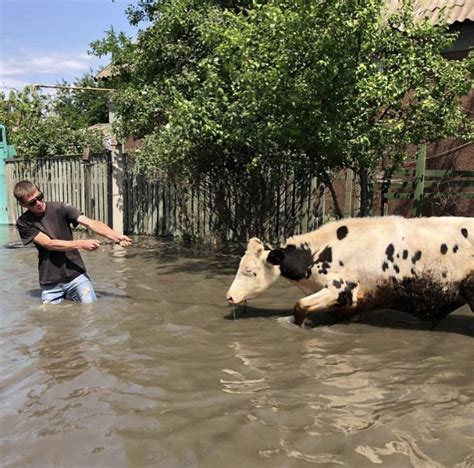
[
  {"x": 364, "y": 192},
  {"x": 337, "y": 207}
]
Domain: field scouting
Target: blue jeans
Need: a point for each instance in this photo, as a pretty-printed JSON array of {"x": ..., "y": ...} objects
[{"x": 80, "y": 289}]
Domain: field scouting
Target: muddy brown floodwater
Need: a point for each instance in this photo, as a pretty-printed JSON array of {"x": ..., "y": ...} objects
[{"x": 158, "y": 373}]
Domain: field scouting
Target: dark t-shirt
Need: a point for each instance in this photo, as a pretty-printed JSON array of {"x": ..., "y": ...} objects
[{"x": 54, "y": 267}]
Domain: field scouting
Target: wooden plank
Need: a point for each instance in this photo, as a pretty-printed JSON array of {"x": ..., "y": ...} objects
[
  {"x": 65, "y": 181},
  {"x": 465, "y": 195},
  {"x": 314, "y": 194},
  {"x": 138, "y": 193},
  {"x": 11, "y": 201},
  {"x": 160, "y": 209},
  {"x": 54, "y": 180},
  {"x": 82, "y": 202},
  {"x": 433, "y": 195},
  {"x": 77, "y": 185},
  {"x": 135, "y": 199},
  {"x": 154, "y": 208},
  {"x": 448, "y": 173},
  {"x": 449, "y": 183},
  {"x": 70, "y": 175},
  {"x": 399, "y": 196},
  {"x": 410, "y": 184},
  {"x": 149, "y": 208},
  {"x": 131, "y": 195},
  {"x": 61, "y": 181},
  {"x": 348, "y": 193}
]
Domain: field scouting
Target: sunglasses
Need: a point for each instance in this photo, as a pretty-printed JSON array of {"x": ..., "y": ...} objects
[{"x": 34, "y": 200}]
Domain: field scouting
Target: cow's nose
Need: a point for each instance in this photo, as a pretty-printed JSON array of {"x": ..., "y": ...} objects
[{"x": 230, "y": 299}]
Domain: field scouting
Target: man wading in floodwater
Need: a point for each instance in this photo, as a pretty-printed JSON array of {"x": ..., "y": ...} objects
[{"x": 62, "y": 274}]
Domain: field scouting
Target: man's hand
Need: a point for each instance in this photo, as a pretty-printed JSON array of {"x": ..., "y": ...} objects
[
  {"x": 89, "y": 244},
  {"x": 123, "y": 241},
  {"x": 103, "y": 230}
]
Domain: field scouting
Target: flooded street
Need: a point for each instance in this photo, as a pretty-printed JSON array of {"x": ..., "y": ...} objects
[{"x": 158, "y": 373}]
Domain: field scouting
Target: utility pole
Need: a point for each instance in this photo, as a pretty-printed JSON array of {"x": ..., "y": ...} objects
[
  {"x": 81, "y": 88},
  {"x": 116, "y": 187}
]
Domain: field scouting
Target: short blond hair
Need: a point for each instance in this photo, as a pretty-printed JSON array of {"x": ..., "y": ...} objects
[{"x": 24, "y": 189}]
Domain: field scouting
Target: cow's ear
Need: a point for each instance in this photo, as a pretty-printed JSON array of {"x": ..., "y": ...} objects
[
  {"x": 255, "y": 246},
  {"x": 275, "y": 257}
]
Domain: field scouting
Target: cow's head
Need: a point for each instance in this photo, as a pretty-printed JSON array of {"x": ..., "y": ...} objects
[{"x": 254, "y": 275}]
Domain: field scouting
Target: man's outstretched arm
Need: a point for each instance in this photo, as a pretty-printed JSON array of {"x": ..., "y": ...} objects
[
  {"x": 65, "y": 245},
  {"x": 103, "y": 230}
]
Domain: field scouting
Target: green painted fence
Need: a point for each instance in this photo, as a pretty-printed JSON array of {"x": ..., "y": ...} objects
[
  {"x": 6, "y": 151},
  {"x": 426, "y": 186}
]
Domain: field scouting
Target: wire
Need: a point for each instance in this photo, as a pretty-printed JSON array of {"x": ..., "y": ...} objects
[{"x": 444, "y": 153}]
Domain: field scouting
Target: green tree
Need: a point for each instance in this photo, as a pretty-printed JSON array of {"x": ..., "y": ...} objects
[
  {"x": 248, "y": 94},
  {"x": 82, "y": 107},
  {"x": 37, "y": 131}
]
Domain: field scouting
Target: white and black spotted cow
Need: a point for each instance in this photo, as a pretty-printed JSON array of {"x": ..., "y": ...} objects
[{"x": 424, "y": 266}]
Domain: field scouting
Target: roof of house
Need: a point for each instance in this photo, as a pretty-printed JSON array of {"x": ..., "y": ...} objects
[
  {"x": 435, "y": 11},
  {"x": 104, "y": 73}
]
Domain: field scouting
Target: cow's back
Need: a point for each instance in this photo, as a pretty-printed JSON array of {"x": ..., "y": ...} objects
[{"x": 394, "y": 247}]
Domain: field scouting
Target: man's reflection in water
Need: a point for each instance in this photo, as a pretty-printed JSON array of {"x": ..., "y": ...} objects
[
  {"x": 61, "y": 349},
  {"x": 60, "y": 353}
]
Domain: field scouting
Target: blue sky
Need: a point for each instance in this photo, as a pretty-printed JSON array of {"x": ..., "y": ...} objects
[{"x": 45, "y": 41}]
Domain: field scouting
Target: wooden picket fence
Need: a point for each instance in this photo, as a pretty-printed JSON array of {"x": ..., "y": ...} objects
[
  {"x": 156, "y": 207},
  {"x": 84, "y": 184},
  {"x": 165, "y": 208}
]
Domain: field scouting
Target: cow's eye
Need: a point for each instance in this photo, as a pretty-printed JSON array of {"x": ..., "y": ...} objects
[{"x": 255, "y": 274}]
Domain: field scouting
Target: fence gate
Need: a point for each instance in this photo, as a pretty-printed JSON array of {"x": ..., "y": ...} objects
[{"x": 84, "y": 184}]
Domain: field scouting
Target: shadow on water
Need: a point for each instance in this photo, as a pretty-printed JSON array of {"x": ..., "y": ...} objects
[
  {"x": 168, "y": 253},
  {"x": 34, "y": 292},
  {"x": 111, "y": 294},
  {"x": 209, "y": 268},
  {"x": 17, "y": 245},
  {"x": 454, "y": 323},
  {"x": 393, "y": 319},
  {"x": 248, "y": 312}
]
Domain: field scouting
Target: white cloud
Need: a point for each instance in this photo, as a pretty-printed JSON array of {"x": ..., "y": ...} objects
[
  {"x": 6, "y": 84},
  {"x": 22, "y": 69},
  {"x": 10, "y": 70},
  {"x": 87, "y": 57},
  {"x": 56, "y": 64},
  {"x": 51, "y": 63}
]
